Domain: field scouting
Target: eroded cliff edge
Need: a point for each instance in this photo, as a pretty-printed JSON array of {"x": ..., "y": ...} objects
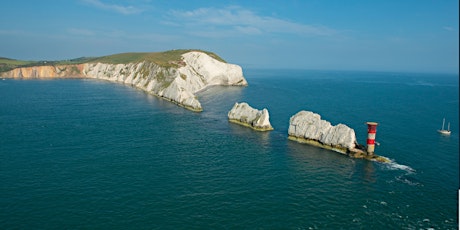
[{"x": 178, "y": 81}]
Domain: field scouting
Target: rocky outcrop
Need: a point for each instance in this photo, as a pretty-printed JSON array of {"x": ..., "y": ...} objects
[
  {"x": 178, "y": 84},
  {"x": 308, "y": 127},
  {"x": 244, "y": 114}
]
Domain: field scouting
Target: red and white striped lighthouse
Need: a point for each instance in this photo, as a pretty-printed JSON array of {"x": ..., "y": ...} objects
[{"x": 371, "y": 130}]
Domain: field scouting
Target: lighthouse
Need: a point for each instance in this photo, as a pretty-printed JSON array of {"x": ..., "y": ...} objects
[{"x": 371, "y": 130}]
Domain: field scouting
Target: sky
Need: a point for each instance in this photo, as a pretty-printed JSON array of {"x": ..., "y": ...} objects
[{"x": 380, "y": 35}]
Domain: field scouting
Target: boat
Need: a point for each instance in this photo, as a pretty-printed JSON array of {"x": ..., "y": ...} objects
[{"x": 445, "y": 131}]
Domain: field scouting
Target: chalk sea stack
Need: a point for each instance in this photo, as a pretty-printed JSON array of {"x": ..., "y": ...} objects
[
  {"x": 175, "y": 75},
  {"x": 308, "y": 127},
  {"x": 244, "y": 114}
]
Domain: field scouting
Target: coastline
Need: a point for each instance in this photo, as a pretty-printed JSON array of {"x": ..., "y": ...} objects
[{"x": 178, "y": 81}]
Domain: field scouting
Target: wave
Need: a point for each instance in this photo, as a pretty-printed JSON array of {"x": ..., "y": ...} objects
[
  {"x": 396, "y": 166},
  {"x": 407, "y": 177},
  {"x": 393, "y": 165}
]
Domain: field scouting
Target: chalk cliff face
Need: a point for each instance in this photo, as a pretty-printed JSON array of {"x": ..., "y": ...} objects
[
  {"x": 309, "y": 126},
  {"x": 176, "y": 84},
  {"x": 69, "y": 71},
  {"x": 244, "y": 114}
]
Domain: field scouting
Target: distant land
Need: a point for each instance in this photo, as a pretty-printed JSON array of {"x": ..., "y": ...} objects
[
  {"x": 165, "y": 59},
  {"x": 174, "y": 75}
]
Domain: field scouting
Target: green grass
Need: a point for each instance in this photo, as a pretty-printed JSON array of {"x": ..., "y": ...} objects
[
  {"x": 7, "y": 64},
  {"x": 8, "y": 61},
  {"x": 170, "y": 58}
]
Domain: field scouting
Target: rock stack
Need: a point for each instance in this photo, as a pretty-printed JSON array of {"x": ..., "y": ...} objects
[
  {"x": 243, "y": 114},
  {"x": 308, "y": 127}
]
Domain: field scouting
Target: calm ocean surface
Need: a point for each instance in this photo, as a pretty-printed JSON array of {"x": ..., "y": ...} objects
[{"x": 88, "y": 154}]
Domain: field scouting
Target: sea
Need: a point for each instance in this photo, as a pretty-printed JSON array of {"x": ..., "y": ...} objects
[{"x": 92, "y": 154}]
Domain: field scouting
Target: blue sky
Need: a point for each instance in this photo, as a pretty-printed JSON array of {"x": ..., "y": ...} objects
[{"x": 391, "y": 35}]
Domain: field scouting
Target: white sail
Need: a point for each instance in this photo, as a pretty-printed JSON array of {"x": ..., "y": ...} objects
[{"x": 444, "y": 131}]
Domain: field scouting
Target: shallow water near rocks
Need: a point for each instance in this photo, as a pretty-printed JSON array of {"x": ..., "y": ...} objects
[{"x": 94, "y": 154}]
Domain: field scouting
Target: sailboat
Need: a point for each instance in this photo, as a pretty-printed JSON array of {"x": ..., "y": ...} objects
[{"x": 445, "y": 131}]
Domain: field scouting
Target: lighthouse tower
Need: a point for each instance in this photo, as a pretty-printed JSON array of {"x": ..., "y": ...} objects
[{"x": 371, "y": 130}]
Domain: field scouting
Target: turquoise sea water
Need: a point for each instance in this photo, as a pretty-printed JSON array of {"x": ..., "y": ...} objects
[{"x": 86, "y": 154}]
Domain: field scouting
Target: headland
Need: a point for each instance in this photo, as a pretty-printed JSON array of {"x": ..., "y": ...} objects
[{"x": 175, "y": 75}]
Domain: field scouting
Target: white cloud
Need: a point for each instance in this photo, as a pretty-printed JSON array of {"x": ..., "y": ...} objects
[
  {"x": 119, "y": 34},
  {"x": 248, "y": 30},
  {"x": 114, "y": 7},
  {"x": 12, "y": 32},
  {"x": 77, "y": 31},
  {"x": 448, "y": 28},
  {"x": 244, "y": 21}
]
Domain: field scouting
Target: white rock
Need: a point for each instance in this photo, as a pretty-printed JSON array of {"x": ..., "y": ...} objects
[
  {"x": 309, "y": 125},
  {"x": 211, "y": 71},
  {"x": 175, "y": 84},
  {"x": 245, "y": 114}
]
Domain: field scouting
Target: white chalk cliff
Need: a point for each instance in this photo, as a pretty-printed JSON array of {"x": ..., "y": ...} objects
[
  {"x": 244, "y": 114},
  {"x": 197, "y": 70},
  {"x": 309, "y": 126}
]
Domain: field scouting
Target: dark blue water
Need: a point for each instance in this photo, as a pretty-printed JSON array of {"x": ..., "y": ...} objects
[{"x": 93, "y": 154}]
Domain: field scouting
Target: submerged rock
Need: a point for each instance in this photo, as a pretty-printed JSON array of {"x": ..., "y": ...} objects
[{"x": 244, "y": 114}]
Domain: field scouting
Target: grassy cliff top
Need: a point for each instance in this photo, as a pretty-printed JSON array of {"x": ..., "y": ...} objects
[
  {"x": 171, "y": 58},
  {"x": 9, "y": 64},
  {"x": 161, "y": 58}
]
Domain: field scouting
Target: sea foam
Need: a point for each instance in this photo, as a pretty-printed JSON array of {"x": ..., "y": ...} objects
[{"x": 393, "y": 165}]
